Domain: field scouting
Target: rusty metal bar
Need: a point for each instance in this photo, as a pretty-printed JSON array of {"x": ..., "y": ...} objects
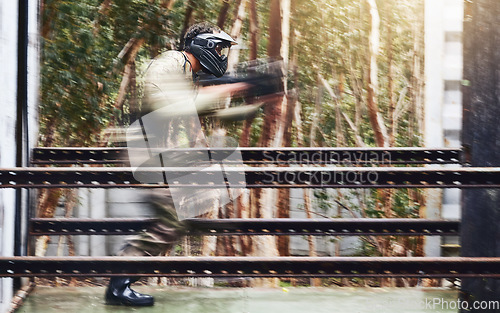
[
  {"x": 79, "y": 155},
  {"x": 255, "y": 177},
  {"x": 251, "y": 266},
  {"x": 279, "y": 227},
  {"x": 324, "y": 227},
  {"x": 82, "y": 226},
  {"x": 339, "y": 156}
]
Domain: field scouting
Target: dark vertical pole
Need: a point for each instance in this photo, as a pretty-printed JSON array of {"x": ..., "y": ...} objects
[
  {"x": 21, "y": 124},
  {"x": 480, "y": 230}
]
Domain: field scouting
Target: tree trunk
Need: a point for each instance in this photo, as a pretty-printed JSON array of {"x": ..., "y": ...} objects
[
  {"x": 128, "y": 55},
  {"x": 239, "y": 14},
  {"x": 417, "y": 77},
  {"x": 47, "y": 204},
  {"x": 47, "y": 19},
  {"x": 243, "y": 201},
  {"x": 103, "y": 10},
  {"x": 339, "y": 131},
  {"x": 124, "y": 85},
  {"x": 236, "y": 32},
  {"x": 284, "y": 193},
  {"x": 263, "y": 201},
  {"x": 221, "y": 20},
  {"x": 376, "y": 120},
  {"x": 373, "y": 111},
  {"x": 254, "y": 30},
  {"x": 315, "y": 282},
  {"x": 311, "y": 240},
  {"x": 133, "y": 101},
  {"x": 275, "y": 34},
  {"x": 390, "y": 77},
  {"x": 317, "y": 112},
  {"x": 191, "y": 5},
  {"x": 167, "y": 4},
  {"x": 226, "y": 244}
]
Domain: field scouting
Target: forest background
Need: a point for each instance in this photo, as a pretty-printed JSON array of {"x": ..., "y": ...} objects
[{"x": 354, "y": 79}]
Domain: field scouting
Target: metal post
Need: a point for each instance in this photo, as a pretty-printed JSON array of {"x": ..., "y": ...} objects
[
  {"x": 480, "y": 232},
  {"x": 21, "y": 129}
]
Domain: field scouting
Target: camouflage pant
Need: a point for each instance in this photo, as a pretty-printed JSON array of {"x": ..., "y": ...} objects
[{"x": 161, "y": 236}]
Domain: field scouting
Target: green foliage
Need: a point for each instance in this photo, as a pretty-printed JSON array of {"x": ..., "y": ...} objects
[
  {"x": 81, "y": 70},
  {"x": 75, "y": 76},
  {"x": 330, "y": 38},
  {"x": 404, "y": 206}
]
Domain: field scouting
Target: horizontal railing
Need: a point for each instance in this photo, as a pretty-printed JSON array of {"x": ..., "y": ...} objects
[
  {"x": 284, "y": 168},
  {"x": 251, "y": 177},
  {"x": 449, "y": 267},
  {"x": 265, "y": 156},
  {"x": 278, "y": 227}
]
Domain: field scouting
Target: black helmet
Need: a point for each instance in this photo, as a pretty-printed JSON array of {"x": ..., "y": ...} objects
[{"x": 211, "y": 50}]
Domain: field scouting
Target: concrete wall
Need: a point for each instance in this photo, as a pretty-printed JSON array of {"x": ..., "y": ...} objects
[
  {"x": 443, "y": 104},
  {"x": 98, "y": 204},
  {"x": 325, "y": 245},
  {"x": 8, "y": 96},
  {"x": 8, "y": 74}
]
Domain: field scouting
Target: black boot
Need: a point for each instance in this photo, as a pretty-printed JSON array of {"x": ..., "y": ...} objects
[{"x": 119, "y": 293}]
